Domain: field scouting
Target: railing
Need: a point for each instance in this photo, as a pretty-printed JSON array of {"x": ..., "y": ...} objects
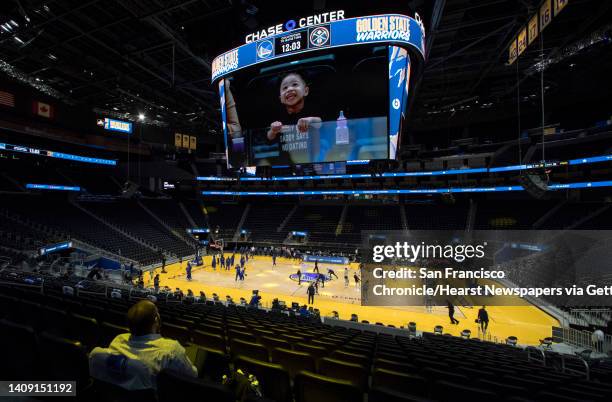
[
  {"x": 581, "y": 367},
  {"x": 4, "y": 262},
  {"x": 586, "y": 317},
  {"x": 584, "y": 339},
  {"x": 486, "y": 336},
  {"x": 536, "y": 355}
]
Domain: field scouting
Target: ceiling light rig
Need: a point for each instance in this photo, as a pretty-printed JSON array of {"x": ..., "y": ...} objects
[
  {"x": 17, "y": 74},
  {"x": 603, "y": 34}
]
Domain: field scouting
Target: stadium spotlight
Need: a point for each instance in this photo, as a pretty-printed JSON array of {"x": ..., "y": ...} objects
[{"x": 141, "y": 116}]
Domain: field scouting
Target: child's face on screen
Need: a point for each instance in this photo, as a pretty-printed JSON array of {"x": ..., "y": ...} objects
[{"x": 293, "y": 89}]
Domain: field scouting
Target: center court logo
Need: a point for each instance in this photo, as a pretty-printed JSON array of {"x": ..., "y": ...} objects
[
  {"x": 309, "y": 277},
  {"x": 265, "y": 49},
  {"x": 319, "y": 36}
]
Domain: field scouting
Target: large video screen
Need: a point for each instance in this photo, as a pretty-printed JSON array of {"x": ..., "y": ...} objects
[{"x": 326, "y": 106}]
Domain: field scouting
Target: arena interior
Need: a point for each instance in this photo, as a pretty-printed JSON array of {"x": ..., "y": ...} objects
[{"x": 235, "y": 164}]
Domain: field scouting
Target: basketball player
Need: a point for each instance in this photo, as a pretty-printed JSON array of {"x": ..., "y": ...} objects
[{"x": 331, "y": 273}]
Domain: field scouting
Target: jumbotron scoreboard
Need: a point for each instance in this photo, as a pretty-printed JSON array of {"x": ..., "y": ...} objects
[{"x": 319, "y": 89}]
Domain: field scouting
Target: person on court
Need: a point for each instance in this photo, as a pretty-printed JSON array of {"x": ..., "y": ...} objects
[
  {"x": 451, "y": 312},
  {"x": 311, "y": 293},
  {"x": 156, "y": 282},
  {"x": 322, "y": 279},
  {"x": 299, "y": 275},
  {"x": 357, "y": 280},
  {"x": 483, "y": 319},
  {"x": 273, "y": 259},
  {"x": 331, "y": 273},
  {"x": 316, "y": 267},
  {"x": 214, "y": 263},
  {"x": 163, "y": 270},
  {"x": 364, "y": 291},
  {"x": 222, "y": 261},
  {"x": 346, "y": 277},
  {"x": 237, "y": 273},
  {"x": 188, "y": 270}
]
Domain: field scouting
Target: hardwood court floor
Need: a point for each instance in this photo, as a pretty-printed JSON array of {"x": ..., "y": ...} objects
[{"x": 525, "y": 321}]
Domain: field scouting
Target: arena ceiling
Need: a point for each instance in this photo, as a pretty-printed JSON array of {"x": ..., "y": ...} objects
[{"x": 129, "y": 55}]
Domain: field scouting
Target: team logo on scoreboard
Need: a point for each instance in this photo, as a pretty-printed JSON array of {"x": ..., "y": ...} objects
[
  {"x": 319, "y": 36},
  {"x": 265, "y": 49}
]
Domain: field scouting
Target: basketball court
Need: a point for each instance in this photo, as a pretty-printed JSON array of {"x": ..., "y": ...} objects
[{"x": 525, "y": 321}]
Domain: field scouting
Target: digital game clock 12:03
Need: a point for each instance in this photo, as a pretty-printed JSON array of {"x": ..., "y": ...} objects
[{"x": 292, "y": 42}]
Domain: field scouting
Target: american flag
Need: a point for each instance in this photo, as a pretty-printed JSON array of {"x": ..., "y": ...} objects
[{"x": 7, "y": 99}]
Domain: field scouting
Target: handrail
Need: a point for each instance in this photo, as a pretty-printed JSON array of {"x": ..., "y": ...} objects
[
  {"x": 565, "y": 369},
  {"x": 534, "y": 354}
]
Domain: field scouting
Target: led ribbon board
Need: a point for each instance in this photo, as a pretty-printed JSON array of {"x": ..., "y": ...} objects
[
  {"x": 55, "y": 247},
  {"x": 392, "y": 29},
  {"x": 59, "y": 155},
  {"x": 52, "y": 187},
  {"x": 198, "y": 230},
  {"x": 579, "y": 161},
  {"x": 551, "y": 187},
  {"x": 326, "y": 259}
]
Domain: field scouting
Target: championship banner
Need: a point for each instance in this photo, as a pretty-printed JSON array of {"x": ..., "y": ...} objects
[
  {"x": 522, "y": 41},
  {"x": 532, "y": 29},
  {"x": 193, "y": 143},
  {"x": 178, "y": 140},
  {"x": 560, "y": 5},
  {"x": 512, "y": 52},
  {"x": 545, "y": 14},
  {"x": 185, "y": 141},
  {"x": 392, "y": 29}
]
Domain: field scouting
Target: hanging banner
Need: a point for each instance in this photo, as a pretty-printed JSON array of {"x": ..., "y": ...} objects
[
  {"x": 522, "y": 41},
  {"x": 178, "y": 140},
  {"x": 185, "y": 141},
  {"x": 512, "y": 52},
  {"x": 193, "y": 143},
  {"x": 560, "y": 5},
  {"x": 532, "y": 29},
  {"x": 545, "y": 14}
]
